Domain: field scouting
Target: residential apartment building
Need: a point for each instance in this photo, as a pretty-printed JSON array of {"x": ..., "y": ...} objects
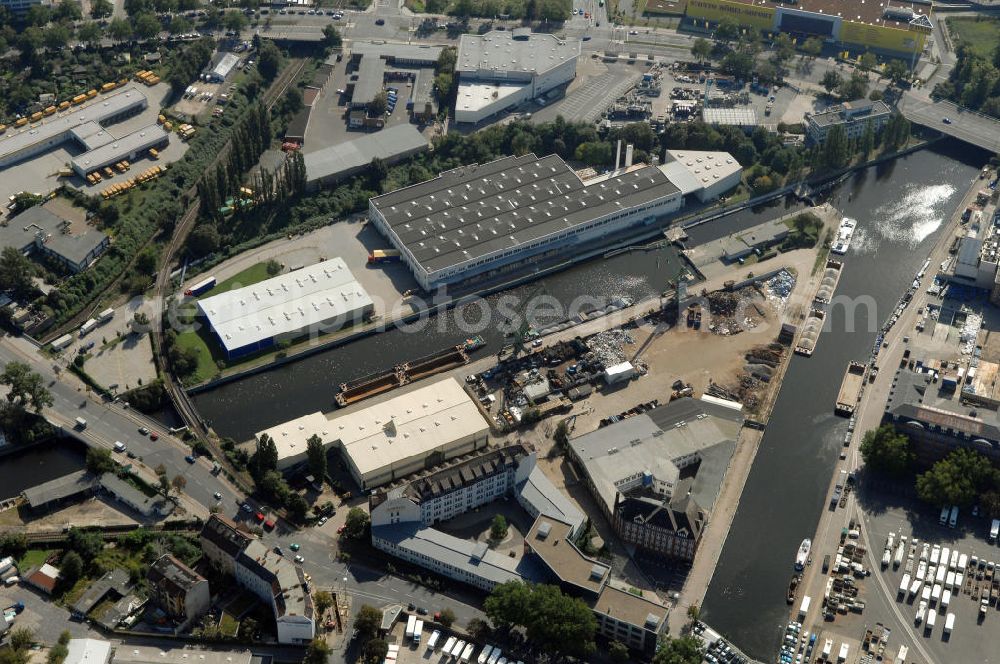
[
  {"x": 221, "y": 542},
  {"x": 178, "y": 589},
  {"x": 276, "y": 581},
  {"x": 853, "y": 116}
]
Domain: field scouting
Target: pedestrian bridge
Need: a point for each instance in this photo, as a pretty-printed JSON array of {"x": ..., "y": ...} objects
[{"x": 969, "y": 126}]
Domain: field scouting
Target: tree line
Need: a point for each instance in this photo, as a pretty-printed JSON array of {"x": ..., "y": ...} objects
[{"x": 974, "y": 81}]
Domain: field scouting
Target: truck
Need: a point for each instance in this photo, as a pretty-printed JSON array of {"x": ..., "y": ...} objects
[
  {"x": 949, "y": 623},
  {"x": 897, "y": 559},
  {"x": 914, "y": 588},
  {"x": 457, "y": 650},
  {"x": 901, "y": 655},
  {"x": 448, "y": 645},
  {"x": 62, "y": 342},
  {"x": 945, "y": 599},
  {"x": 886, "y": 558},
  {"x": 935, "y": 554},
  {"x": 418, "y": 630},
  {"x": 984, "y": 605},
  {"x": 804, "y": 607},
  {"x": 929, "y": 623},
  {"x": 827, "y": 648},
  {"x": 411, "y": 624},
  {"x": 433, "y": 640},
  {"x": 81, "y": 424},
  {"x": 963, "y": 561},
  {"x": 467, "y": 653},
  {"x": 940, "y": 574},
  {"x": 384, "y": 256},
  {"x": 106, "y": 315},
  {"x": 844, "y": 652},
  {"x": 936, "y": 594},
  {"x": 904, "y": 585},
  {"x": 202, "y": 286},
  {"x": 485, "y": 654},
  {"x": 921, "y": 612},
  {"x": 953, "y": 517},
  {"x": 494, "y": 656},
  {"x": 87, "y": 327}
]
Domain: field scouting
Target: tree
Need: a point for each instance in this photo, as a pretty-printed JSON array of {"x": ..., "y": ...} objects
[
  {"x": 498, "y": 530},
  {"x": 561, "y": 624},
  {"x": 897, "y": 71},
  {"x": 867, "y": 141},
  {"x": 812, "y": 47},
  {"x": 356, "y": 523},
  {"x": 25, "y": 388},
  {"x": 316, "y": 457},
  {"x": 446, "y": 617},
  {"x": 90, "y": 33},
  {"x": 618, "y": 652},
  {"x": 784, "y": 47},
  {"x": 204, "y": 240},
  {"x": 561, "y": 435},
  {"x": 375, "y": 651},
  {"x": 21, "y": 638},
  {"x": 70, "y": 569},
  {"x": 99, "y": 461},
  {"x": 178, "y": 483},
  {"x": 56, "y": 37},
  {"x": 836, "y": 151},
  {"x": 855, "y": 87},
  {"x": 701, "y": 49},
  {"x": 379, "y": 105},
  {"x": 234, "y": 21},
  {"x": 331, "y": 37},
  {"x": 13, "y": 544},
  {"x": 367, "y": 621},
  {"x": 685, "y": 650},
  {"x": 831, "y": 81},
  {"x": 958, "y": 479},
  {"x": 266, "y": 456},
  {"x": 87, "y": 543},
  {"x": 269, "y": 60},
  {"x": 16, "y": 272},
  {"x": 318, "y": 652},
  {"x": 164, "y": 481},
  {"x": 145, "y": 26},
  {"x": 119, "y": 30},
  {"x": 101, "y": 9},
  {"x": 322, "y": 600},
  {"x": 728, "y": 30},
  {"x": 868, "y": 61},
  {"x": 297, "y": 506},
  {"x": 179, "y": 25},
  {"x": 67, "y": 11}
]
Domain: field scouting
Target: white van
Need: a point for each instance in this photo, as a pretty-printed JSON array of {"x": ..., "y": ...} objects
[
  {"x": 119, "y": 446},
  {"x": 953, "y": 519},
  {"x": 12, "y": 581}
]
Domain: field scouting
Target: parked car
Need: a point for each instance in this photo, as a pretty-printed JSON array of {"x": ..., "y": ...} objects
[
  {"x": 323, "y": 520},
  {"x": 154, "y": 436},
  {"x": 144, "y": 431},
  {"x": 217, "y": 495},
  {"x": 299, "y": 559},
  {"x": 293, "y": 546},
  {"x": 189, "y": 458}
]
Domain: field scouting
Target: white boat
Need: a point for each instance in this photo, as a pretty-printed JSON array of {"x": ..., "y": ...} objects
[
  {"x": 844, "y": 234},
  {"x": 803, "y": 555}
]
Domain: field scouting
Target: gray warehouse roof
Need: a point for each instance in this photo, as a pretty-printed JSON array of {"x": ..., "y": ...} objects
[
  {"x": 502, "y": 51},
  {"x": 425, "y": 53},
  {"x": 62, "y": 487},
  {"x": 20, "y": 233},
  {"x": 476, "y": 210},
  {"x": 371, "y": 71},
  {"x": 120, "y": 149},
  {"x": 341, "y": 159}
]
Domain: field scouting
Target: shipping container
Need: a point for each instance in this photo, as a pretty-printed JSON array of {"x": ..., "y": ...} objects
[
  {"x": 949, "y": 623},
  {"x": 202, "y": 286},
  {"x": 62, "y": 342},
  {"x": 449, "y": 644},
  {"x": 87, "y": 327},
  {"x": 384, "y": 256},
  {"x": 411, "y": 624},
  {"x": 434, "y": 638}
]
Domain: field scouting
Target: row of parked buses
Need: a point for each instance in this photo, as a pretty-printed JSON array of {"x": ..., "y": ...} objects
[
  {"x": 121, "y": 187},
  {"x": 63, "y": 105}
]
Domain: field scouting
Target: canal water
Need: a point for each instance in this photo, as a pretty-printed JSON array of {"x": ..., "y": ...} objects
[
  {"x": 29, "y": 467},
  {"x": 900, "y": 208}
]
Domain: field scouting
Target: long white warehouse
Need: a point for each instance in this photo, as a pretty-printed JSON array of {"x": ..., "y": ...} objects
[
  {"x": 388, "y": 440},
  {"x": 317, "y": 299}
]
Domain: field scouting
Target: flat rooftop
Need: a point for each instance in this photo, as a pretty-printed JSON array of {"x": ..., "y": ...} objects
[
  {"x": 62, "y": 236},
  {"x": 381, "y": 434},
  {"x": 550, "y": 540},
  {"x": 371, "y": 73},
  {"x": 659, "y": 444},
  {"x": 134, "y": 654},
  {"x": 425, "y": 53},
  {"x": 698, "y": 169},
  {"x": 478, "y": 95},
  {"x": 741, "y": 117},
  {"x": 871, "y": 12},
  {"x": 503, "y": 51},
  {"x": 121, "y": 148},
  {"x": 477, "y": 210},
  {"x": 630, "y": 608},
  {"x": 99, "y": 110},
  {"x": 66, "y": 486},
  {"x": 915, "y": 396},
  {"x": 88, "y": 651},
  {"x": 285, "y": 304},
  {"x": 850, "y": 110},
  {"x": 344, "y": 158}
]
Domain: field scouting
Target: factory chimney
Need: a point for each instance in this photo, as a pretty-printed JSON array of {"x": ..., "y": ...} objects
[{"x": 618, "y": 154}]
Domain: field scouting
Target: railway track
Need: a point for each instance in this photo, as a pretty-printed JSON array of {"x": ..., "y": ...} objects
[{"x": 185, "y": 408}]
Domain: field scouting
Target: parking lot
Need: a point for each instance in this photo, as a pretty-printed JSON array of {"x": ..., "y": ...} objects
[
  {"x": 600, "y": 85},
  {"x": 970, "y": 640}
]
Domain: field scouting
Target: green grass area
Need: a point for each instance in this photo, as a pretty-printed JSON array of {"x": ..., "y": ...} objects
[
  {"x": 208, "y": 352},
  {"x": 33, "y": 558},
  {"x": 252, "y": 275},
  {"x": 981, "y": 34},
  {"x": 228, "y": 625}
]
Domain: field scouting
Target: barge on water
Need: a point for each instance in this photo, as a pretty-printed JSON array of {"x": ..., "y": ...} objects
[
  {"x": 811, "y": 330},
  {"x": 401, "y": 374},
  {"x": 828, "y": 284},
  {"x": 850, "y": 389}
]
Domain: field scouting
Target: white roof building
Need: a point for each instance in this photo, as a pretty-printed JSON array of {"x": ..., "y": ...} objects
[
  {"x": 88, "y": 651},
  {"x": 108, "y": 150},
  {"x": 705, "y": 174},
  {"x": 391, "y": 439},
  {"x": 319, "y": 298},
  {"x": 134, "y": 654}
]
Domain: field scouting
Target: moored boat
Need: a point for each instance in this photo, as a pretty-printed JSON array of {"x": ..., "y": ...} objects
[
  {"x": 803, "y": 555},
  {"x": 844, "y": 235}
]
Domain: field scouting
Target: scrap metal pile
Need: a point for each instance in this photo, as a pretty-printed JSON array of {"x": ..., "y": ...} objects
[
  {"x": 608, "y": 347},
  {"x": 779, "y": 287},
  {"x": 761, "y": 363},
  {"x": 734, "y": 311}
]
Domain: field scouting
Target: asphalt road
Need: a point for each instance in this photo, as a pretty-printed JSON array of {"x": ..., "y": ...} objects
[{"x": 966, "y": 125}]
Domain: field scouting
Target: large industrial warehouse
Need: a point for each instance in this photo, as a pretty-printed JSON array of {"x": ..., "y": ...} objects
[
  {"x": 501, "y": 69},
  {"x": 474, "y": 220},
  {"x": 391, "y": 439},
  {"x": 320, "y": 298},
  {"x": 329, "y": 165},
  {"x": 897, "y": 28},
  {"x": 129, "y": 147},
  {"x": 82, "y": 124}
]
